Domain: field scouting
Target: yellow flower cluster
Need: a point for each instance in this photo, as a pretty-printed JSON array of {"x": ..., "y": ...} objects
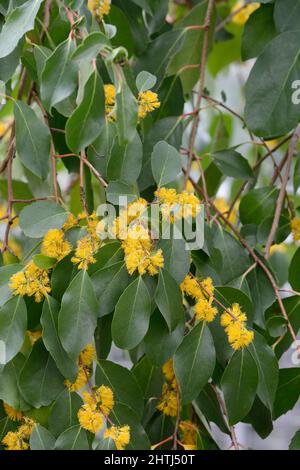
[
  {"x": 243, "y": 11},
  {"x": 168, "y": 403},
  {"x": 110, "y": 101},
  {"x": 120, "y": 435},
  {"x": 97, "y": 405},
  {"x": 203, "y": 294},
  {"x": 189, "y": 435},
  {"x": 175, "y": 206},
  {"x": 14, "y": 415},
  {"x": 70, "y": 222},
  {"x": 85, "y": 251},
  {"x": 147, "y": 102},
  {"x": 18, "y": 440},
  {"x": 55, "y": 245},
  {"x": 32, "y": 281},
  {"x": 295, "y": 226},
  {"x": 85, "y": 361},
  {"x": 234, "y": 322},
  {"x": 99, "y": 8}
]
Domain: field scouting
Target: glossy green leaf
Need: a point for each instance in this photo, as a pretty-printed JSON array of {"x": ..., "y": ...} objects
[
  {"x": 73, "y": 438},
  {"x": 90, "y": 47},
  {"x": 294, "y": 271},
  {"x": 145, "y": 81},
  {"x": 127, "y": 114},
  {"x": 125, "y": 161},
  {"x": 166, "y": 163},
  {"x": 121, "y": 415},
  {"x": 257, "y": 205},
  {"x": 39, "y": 217},
  {"x": 239, "y": 385},
  {"x": 32, "y": 140},
  {"x": 64, "y": 412},
  {"x": 77, "y": 318},
  {"x": 85, "y": 123},
  {"x": 295, "y": 442},
  {"x": 288, "y": 391},
  {"x": 287, "y": 15},
  {"x": 13, "y": 325},
  {"x": 132, "y": 315},
  {"x": 168, "y": 299},
  {"x": 194, "y": 362},
  {"x": 41, "y": 439},
  {"x": 233, "y": 164},
  {"x": 259, "y": 30}
]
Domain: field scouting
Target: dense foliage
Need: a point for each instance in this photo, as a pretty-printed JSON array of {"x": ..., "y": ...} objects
[{"x": 105, "y": 101}]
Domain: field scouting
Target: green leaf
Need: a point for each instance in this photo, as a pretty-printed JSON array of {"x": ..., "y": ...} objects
[
  {"x": 13, "y": 325},
  {"x": 115, "y": 189},
  {"x": 149, "y": 377},
  {"x": 85, "y": 123},
  {"x": 59, "y": 76},
  {"x": 295, "y": 442},
  {"x": 288, "y": 391},
  {"x": 132, "y": 315},
  {"x": 9, "y": 63},
  {"x": 74, "y": 438},
  {"x": 77, "y": 318},
  {"x": 229, "y": 295},
  {"x": 262, "y": 293},
  {"x": 259, "y": 30},
  {"x": 9, "y": 379},
  {"x": 159, "y": 334},
  {"x": 121, "y": 415},
  {"x": 258, "y": 204},
  {"x": 32, "y": 140},
  {"x": 177, "y": 259},
  {"x": 49, "y": 322},
  {"x": 166, "y": 163},
  {"x": 5, "y": 274},
  {"x": 287, "y": 15},
  {"x": 64, "y": 412},
  {"x": 90, "y": 47},
  {"x": 270, "y": 111},
  {"x": 109, "y": 283},
  {"x": 40, "y": 381},
  {"x": 267, "y": 367},
  {"x": 194, "y": 362},
  {"x": 233, "y": 164},
  {"x": 168, "y": 298},
  {"x": 18, "y": 22},
  {"x": 44, "y": 262},
  {"x": 115, "y": 376},
  {"x": 41, "y": 439},
  {"x": 39, "y": 217},
  {"x": 125, "y": 161},
  {"x": 127, "y": 114},
  {"x": 208, "y": 403},
  {"x": 145, "y": 81},
  {"x": 239, "y": 385},
  {"x": 294, "y": 271}
]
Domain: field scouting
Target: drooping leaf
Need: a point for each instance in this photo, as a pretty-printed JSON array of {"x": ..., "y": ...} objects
[
  {"x": 13, "y": 325},
  {"x": 127, "y": 114},
  {"x": 168, "y": 299},
  {"x": 288, "y": 391},
  {"x": 125, "y": 161}
]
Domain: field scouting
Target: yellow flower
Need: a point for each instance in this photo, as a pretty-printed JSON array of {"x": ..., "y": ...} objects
[
  {"x": 148, "y": 102},
  {"x": 99, "y": 7},
  {"x": 34, "y": 336},
  {"x": 33, "y": 281},
  {"x": 189, "y": 435},
  {"x": 70, "y": 222},
  {"x": 168, "y": 370},
  {"x": 102, "y": 397},
  {"x": 120, "y": 436},
  {"x": 168, "y": 403},
  {"x": 191, "y": 287},
  {"x": 55, "y": 245},
  {"x": 26, "y": 428},
  {"x": 295, "y": 226},
  {"x": 79, "y": 383},
  {"x": 87, "y": 356},
  {"x": 234, "y": 322},
  {"x": 110, "y": 101},
  {"x": 84, "y": 253},
  {"x": 90, "y": 419},
  {"x": 242, "y": 16},
  {"x": 175, "y": 206},
  {"x": 13, "y": 414},
  {"x": 205, "y": 311},
  {"x": 12, "y": 441}
]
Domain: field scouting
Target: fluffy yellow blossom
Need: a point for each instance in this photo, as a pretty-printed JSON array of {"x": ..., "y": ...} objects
[
  {"x": 140, "y": 257},
  {"x": 147, "y": 102},
  {"x": 103, "y": 397},
  {"x": 242, "y": 15},
  {"x": 295, "y": 226},
  {"x": 110, "y": 101},
  {"x": 175, "y": 206},
  {"x": 12, "y": 441},
  {"x": 84, "y": 253},
  {"x": 87, "y": 356},
  {"x": 120, "y": 436},
  {"x": 189, "y": 435},
  {"x": 26, "y": 428},
  {"x": 99, "y": 8},
  {"x": 168, "y": 403},
  {"x": 90, "y": 419},
  {"x": 205, "y": 311},
  {"x": 33, "y": 281},
  {"x": 223, "y": 206},
  {"x": 55, "y": 245},
  {"x": 234, "y": 322},
  {"x": 191, "y": 287},
  {"x": 79, "y": 383},
  {"x": 70, "y": 222},
  {"x": 131, "y": 213},
  {"x": 168, "y": 370},
  {"x": 13, "y": 414}
]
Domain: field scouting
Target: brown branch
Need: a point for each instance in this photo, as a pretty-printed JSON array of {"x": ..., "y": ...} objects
[
  {"x": 221, "y": 402},
  {"x": 81, "y": 182},
  {"x": 282, "y": 193}
]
